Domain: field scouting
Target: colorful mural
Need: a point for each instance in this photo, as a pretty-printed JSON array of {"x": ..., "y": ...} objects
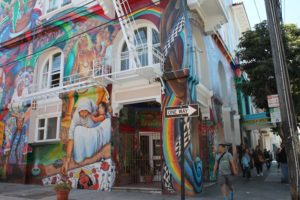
[
  {"x": 77, "y": 156},
  {"x": 180, "y": 79},
  {"x": 86, "y": 136},
  {"x": 85, "y": 36},
  {"x": 15, "y": 147},
  {"x": 17, "y": 17}
]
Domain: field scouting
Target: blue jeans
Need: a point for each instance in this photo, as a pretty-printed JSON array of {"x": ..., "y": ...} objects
[{"x": 284, "y": 171}]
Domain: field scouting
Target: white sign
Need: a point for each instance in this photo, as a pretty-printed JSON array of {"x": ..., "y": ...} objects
[
  {"x": 273, "y": 101},
  {"x": 182, "y": 111},
  {"x": 275, "y": 115}
]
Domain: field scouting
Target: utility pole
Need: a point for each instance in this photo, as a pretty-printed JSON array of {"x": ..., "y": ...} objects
[{"x": 289, "y": 124}]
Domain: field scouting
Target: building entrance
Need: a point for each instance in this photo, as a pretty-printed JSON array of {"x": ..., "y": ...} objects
[{"x": 138, "y": 146}]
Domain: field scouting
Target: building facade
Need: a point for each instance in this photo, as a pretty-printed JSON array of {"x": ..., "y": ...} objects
[{"x": 85, "y": 84}]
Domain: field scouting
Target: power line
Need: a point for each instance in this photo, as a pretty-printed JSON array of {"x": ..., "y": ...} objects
[
  {"x": 257, "y": 11},
  {"x": 284, "y": 10},
  {"x": 153, "y": 4}
]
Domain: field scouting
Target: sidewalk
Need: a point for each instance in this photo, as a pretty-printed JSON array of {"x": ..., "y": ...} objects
[{"x": 264, "y": 188}]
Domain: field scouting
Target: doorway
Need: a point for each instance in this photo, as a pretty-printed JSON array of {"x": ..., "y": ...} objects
[
  {"x": 150, "y": 144},
  {"x": 138, "y": 147}
]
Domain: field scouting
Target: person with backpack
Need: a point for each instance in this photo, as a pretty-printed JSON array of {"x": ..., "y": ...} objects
[{"x": 225, "y": 166}]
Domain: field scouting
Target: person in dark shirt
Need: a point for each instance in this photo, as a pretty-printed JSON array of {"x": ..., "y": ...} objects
[
  {"x": 267, "y": 158},
  {"x": 283, "y": 164}
]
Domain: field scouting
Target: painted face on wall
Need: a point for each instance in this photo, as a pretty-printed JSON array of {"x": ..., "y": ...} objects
[
  {"x": 83, "y": 43},
  {"x": 20, "y": 123},
  {"x": 84, "y": 181},
  {"x": 84, "y": 113}
]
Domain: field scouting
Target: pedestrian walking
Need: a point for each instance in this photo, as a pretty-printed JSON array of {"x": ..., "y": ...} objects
[
  {"x": 258, "y": 159},
  {"x": 246, "y": 164},
  {"x": 277, "y": 157},
  {"x": 283, "y": 164},
  {"x": 267, "y": 158},
  {"x": 225, "y": 166}
]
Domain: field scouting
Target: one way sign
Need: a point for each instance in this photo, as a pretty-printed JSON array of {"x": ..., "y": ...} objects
[{"x": 182, "y": 111}]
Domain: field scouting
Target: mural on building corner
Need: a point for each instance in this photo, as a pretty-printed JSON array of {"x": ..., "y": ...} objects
[
  {"x": 82, "y": 159},
  {"x": 86, "y": 161},
  {"x": 180, "y": 78}
]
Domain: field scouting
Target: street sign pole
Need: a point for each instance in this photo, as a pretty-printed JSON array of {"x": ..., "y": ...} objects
[
  {"x": 191, "y": 110},
  {"x": 182, "y": 159},
  {"x": 288, "y": 116}
]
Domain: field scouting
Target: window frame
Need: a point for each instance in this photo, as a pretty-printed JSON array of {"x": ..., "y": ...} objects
[
  {"x": 197, "y": 59},
  {"x": 59, "y": 6},
  {"x": 49, "y": 59},
  {"x": 45, "y": 128},
  {"x": 149, "y": 45}
]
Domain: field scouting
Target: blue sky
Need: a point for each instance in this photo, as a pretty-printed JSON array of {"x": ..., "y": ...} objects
[{"x": 291, "y": 13}]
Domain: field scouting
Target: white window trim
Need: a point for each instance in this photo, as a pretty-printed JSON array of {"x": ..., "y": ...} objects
[
  {"x": 149, "y": 27},
  {"x": 40, "y": 74},
  {"x": 46, "y": 117},
  {"x": 47, "y": 15},
  {"x": 197, "y": 60}
]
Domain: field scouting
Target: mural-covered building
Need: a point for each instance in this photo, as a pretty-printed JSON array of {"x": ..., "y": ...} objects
[{"x": 84, "y": 86}]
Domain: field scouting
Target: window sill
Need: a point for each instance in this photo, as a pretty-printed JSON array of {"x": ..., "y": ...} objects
[
  {"x": 51, "y": 13},
  {"x": 43, "y": 142}
]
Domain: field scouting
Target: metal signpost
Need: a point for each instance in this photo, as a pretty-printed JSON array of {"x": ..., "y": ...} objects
[{"x": 182, "y": 111}]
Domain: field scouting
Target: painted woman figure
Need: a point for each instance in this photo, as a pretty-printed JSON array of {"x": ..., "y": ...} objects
[
  {"x": 84, "y": 57},
  {"x": 103, "y": 49},
  {"x": 86, "y": 138},
  {"x": 16, "y": 146},
  {"x": 17, "y": 140}
]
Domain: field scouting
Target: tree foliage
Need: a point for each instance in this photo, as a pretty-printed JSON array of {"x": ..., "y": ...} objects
[{"x": 256, "y": 55}]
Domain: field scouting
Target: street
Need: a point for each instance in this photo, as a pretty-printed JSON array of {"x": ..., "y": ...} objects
[{"x": 267, "y": 187}]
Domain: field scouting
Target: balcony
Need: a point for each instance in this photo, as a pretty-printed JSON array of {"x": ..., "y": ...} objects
[
  {"x": 100, "y": 74},
  {"x": 212, "y": 13},
  {"x": 149, "y": 65},
  {"x": 240, "y": 14}
]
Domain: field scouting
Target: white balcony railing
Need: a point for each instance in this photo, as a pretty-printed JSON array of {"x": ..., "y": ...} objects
[
  {"x": 148, "y": 56},
  {"x": 100, "y": 74}
]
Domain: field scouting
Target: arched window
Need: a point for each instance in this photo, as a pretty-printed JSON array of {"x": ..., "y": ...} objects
[
  {"x": 223, "y": 82},
  {"x": 50, "y": 76},
  {"x": 197, "y": 60},
  {"x": 146, "y": 39}
]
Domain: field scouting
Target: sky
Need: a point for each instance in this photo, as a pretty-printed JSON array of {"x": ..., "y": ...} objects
[{"x": 291, "y": 13}]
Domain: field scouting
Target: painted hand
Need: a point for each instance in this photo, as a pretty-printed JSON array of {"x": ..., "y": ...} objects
[{"x": 65, "y": 168}]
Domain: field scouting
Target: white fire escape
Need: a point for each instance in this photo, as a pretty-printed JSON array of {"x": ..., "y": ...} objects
[{"x": 128, "y": 27}]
